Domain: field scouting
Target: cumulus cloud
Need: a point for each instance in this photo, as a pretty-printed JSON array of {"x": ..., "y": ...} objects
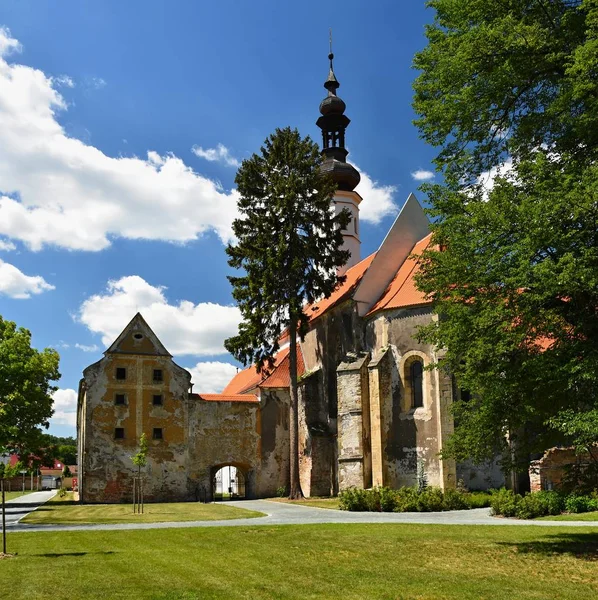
[
  {"x": 64, "y": 80},
  {"x": 65, "y": 407},
  {"x": 422, "y": 175},
  {"x": 184, "y": 328},
  {"x": 6, "y": 245},
  {"x": 15, "y": 284},
  {"x": 211, "y": 377},
  {"x": 59, "y": 190},
  {"x": 378, "y": 201},
  {"x": 84, "y": 348},
  {"x": 7, "y": 43},
  {"x": 219, "y": 154}
]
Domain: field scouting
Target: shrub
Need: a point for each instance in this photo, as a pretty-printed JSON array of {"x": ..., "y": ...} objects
[
  {"x": 388, "y": 500},
  {"x": 578, "y": 504},
  {"x": 406, "y": 499},
  {"x": 281, "y": 492},
  {"x": 478, "y": 499},
  {"x": 505, "y": 502},
  {"x": 353, "y": 499},
  {"x": 62, "y": 493},
  {"x": 455, "y": 500},
  {"x": 430, "y": 500}
]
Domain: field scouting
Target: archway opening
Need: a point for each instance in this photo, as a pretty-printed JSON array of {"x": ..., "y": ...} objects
[{"x": 229, "y": 484}]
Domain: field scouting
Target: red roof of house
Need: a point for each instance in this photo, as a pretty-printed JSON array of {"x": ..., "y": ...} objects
[
  {"x": 227, "y": 397},
  {"x": 353, "y": 277},
  {"x": 402, "y": 291},
  {"x": 281, "y": 376}
]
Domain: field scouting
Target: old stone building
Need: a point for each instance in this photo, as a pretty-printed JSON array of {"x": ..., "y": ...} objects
[{"x": 370, "y": 412}]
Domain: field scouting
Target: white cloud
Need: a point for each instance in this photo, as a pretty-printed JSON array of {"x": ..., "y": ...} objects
[
  {"x": 59, "y": 190},
  {"x": 6, "y": 245},
  {"x": 423, "y": 175},
  {"x": 84, "y": 348},
  {"x": 487, "y": 178},
  {"x": 15, "y": 284},
  {"x": 377, "y": 199},
  {"x": 7, "y": 43},
  {"x": 219, "y": 154},
  {"x": 211, "y": 377},
  {"x": 63, "y": 80},
  {"x": 65, "y": 407},
  {"x": 184, "y": 328}
]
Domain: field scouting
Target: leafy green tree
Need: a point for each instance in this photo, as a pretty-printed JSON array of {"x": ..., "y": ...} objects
[
  {"x": 289, "y": 247},
  {"x": 25, "y": 389},
  {"x": 508, "y": 93}
]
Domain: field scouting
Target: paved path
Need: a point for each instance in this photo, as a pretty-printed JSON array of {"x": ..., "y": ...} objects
[
  {"x": 19, "y": 507},
  {"x": 279, "y": 513}
]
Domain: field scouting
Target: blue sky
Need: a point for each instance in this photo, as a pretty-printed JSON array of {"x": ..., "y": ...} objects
[{"x": 120, "y": 127}]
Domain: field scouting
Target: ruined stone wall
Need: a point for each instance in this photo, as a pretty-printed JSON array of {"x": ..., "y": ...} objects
[
  {"x": 410, "y": 439},
  {"x": 547, "y": 473},
  {"x": 106, "y": 467}
]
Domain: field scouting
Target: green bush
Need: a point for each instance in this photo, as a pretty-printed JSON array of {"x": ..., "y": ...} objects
[
  {"x": 478, "y": 499},
  {"x": 353, "y": 499},
  {"x": 388, "y": 500},
  {"x": 578, "y": 504},
  {"x": 455, "y": 500},
  {"x": 406, "y": 499},
  {"x": 281, "y": 492},
  {"x": 505, "y": 503},
  {"x": 430, "y": 500}
]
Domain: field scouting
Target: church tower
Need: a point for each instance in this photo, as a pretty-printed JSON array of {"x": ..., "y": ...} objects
[{"x": 333, "y": 123}]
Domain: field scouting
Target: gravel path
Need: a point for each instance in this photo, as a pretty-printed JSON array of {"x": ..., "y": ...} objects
[
  {"x": 19, "y": 507},
  {"x": 279, "y": 513}
]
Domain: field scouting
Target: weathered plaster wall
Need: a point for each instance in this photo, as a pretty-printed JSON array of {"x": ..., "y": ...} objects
[
  {"x": 107, "y": 468},
  {"x": 411, "y": 438}
]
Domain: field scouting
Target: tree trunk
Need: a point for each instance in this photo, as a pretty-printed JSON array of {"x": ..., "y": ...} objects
[
  {"x": 295, "y": 491},
  {"x": 3, "y": 518}
]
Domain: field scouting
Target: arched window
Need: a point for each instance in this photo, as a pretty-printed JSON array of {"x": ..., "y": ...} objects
[{"x": 417, "y": 384}]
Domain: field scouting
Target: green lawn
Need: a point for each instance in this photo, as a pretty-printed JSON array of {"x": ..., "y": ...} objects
[
  {"x": 589, "y": 516},
  {"x": 13, "y": 495},
  {"x": 315, "y": 502},
  {"x": 65, "y": 511},
  {"x": 349, "y": 562}
]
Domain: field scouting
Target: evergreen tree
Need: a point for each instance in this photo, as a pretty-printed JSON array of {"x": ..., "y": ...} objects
[
  {"x": 514, "y": 83},
  {"x": 289, "y": 247}
]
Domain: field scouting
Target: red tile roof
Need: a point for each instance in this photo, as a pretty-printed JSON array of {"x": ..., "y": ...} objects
[
  {"x": 354, "y": 275},
  {"x": 402, "y": 291},
  {"x": 281, "y": 376},
  {"x": 227, "y": 397},
  {"x": 249, "y": 379}
]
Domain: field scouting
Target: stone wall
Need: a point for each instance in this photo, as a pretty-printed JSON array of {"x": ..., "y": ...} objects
[{"x": 547, "y": 473}]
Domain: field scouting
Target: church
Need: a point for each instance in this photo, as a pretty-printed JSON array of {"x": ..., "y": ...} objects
[{"x": 370, "y": 413}]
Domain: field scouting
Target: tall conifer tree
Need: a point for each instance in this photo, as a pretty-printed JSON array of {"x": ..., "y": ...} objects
[{"x": 289, "y": 246}]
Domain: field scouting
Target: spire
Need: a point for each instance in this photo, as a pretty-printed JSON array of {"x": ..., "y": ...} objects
[{"x": 333, "y": 123}]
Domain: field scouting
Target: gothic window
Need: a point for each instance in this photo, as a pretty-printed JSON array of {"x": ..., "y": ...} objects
[{"x": 416, "y": 371}]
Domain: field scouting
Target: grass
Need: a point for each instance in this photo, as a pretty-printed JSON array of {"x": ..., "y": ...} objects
[
  {"x": 589, "y": 516},
  {"x": 13, "y": 495},
  {"x": 315, "y": 502},
  {"x": 336, "y": 561},
  {"x": 66, "y": 512}
]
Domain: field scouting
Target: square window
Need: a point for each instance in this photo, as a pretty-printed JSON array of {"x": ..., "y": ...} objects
[
  {"x": 120, "y": 399},
  {"x": 157, "y": 400},
  {"x": 157, "y": 435},
  {"x": 158, "y": 375},
  {"x": 121, "y": 373},
  {"x": 119, "y": 433}
]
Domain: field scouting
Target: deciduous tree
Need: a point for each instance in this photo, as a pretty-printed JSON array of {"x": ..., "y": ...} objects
[{"x": 508, "y": 92}]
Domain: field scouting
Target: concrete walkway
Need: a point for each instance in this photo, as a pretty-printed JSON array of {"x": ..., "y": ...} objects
[
  {"x": 279, "y": 513},
  {"x": 20, "y": 507}
]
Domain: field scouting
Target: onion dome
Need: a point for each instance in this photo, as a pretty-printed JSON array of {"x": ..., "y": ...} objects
[{"x": 333, "y": 123}]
